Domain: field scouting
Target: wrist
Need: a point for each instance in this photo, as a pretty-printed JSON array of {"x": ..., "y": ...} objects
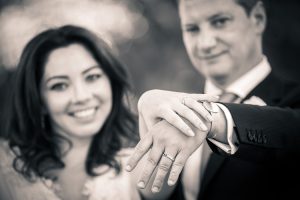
[{"x": 218, "y": 125}]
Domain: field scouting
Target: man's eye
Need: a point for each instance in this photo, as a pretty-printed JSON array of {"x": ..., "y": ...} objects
[
  {"x": 93, "y": 77},
  {"x": 59, "y": 87},
  {"x": 220, "y": 22}
]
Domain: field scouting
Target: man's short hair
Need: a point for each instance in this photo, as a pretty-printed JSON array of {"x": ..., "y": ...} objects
[{"x": 246, "y": 4}]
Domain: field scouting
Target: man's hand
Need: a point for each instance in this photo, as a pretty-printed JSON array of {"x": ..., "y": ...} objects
[{"x": 168, "y": 148}]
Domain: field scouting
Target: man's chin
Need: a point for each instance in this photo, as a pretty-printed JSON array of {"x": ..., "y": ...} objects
[{"x": 220, "y": 79}]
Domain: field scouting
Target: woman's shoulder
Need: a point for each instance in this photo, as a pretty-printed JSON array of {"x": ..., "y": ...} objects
[
  {"x": 13, "y": 185},
  {"x": 6, "y": 154},
  {"x": 111, "y": 185}
]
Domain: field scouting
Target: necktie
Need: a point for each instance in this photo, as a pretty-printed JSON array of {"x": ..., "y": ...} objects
[
  {"x": 225, "y": 97},
  {"x": 203, "y": 153}
]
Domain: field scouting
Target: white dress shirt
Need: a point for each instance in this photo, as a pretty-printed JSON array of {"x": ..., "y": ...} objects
[{"x": 241, "y": 87}]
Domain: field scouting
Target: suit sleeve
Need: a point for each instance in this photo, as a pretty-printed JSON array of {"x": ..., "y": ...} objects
[{"x": 266, "y": 132}]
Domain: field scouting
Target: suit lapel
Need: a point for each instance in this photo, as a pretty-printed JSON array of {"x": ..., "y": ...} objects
[
  {"x": 270, "y": 91},
  {"x": 214, "y": 163}
]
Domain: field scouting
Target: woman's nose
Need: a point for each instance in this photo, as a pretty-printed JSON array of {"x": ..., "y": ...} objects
[{"x": 81, "y": 93}]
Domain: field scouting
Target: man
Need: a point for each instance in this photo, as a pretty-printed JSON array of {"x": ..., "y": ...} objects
[{"x": 223, "y": 39}]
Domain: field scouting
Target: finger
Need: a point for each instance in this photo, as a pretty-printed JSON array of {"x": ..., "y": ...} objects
[
  {"x": 143, "y": 129},
  {"x": 174, "y": 119},
  {"x": 150, "y": 165},
  {"x": 198, "y": 107},
  {"x": 140, "y": 150},
  {"x": 204, "y": 97},
  {"x": 177, "y": 167},
  {"x": 164, "y": 166},
  {"x": 190, "y": 115}
]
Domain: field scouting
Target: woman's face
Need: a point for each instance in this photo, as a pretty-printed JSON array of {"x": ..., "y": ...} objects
[{"x": 76, "y": 93}]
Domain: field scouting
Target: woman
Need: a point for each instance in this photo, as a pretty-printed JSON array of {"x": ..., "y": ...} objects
[{"x": 69, "y": 128}]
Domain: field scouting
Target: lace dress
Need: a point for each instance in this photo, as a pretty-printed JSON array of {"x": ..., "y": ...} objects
[{"x": 13, "y": 186}]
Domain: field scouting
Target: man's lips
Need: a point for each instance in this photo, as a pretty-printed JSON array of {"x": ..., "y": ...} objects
[{"x": 211, "y": 56}]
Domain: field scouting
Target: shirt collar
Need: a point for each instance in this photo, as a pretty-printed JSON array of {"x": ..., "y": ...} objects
[{"x": 246, "y": 83}]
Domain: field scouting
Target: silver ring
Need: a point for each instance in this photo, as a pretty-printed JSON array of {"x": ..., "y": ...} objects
[
  {"x": 210, "y": 107},
  {"x": 169, "y": 157},
  {"x": 183, "y": 100}
]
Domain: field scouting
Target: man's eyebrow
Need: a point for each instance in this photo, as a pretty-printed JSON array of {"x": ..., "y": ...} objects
[{"x": 221, "y": 14}]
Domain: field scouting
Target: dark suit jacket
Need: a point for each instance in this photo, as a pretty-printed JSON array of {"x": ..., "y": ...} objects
[{"x": 266, "y": 165}]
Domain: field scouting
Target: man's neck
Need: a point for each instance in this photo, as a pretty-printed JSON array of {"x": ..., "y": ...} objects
[
  {"x": 224, "y": 82},
  {"x": 245, "y": 83}
]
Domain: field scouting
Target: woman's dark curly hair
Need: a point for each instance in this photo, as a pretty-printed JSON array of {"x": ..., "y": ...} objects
[{"x": 37, "y": 143}]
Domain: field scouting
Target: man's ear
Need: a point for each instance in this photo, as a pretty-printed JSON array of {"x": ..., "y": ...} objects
[{"x": 258, "y": 17}]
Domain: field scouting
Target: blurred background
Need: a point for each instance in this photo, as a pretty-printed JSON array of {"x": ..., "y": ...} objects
[{"x": 145, "y": 34}]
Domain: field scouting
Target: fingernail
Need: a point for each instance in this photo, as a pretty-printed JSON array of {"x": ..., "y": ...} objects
[
  {"x": 191, "y": 133},
  {"x": 170, "y": 182},
  {"x": 209, "y": 117},
  {"x": 128, "y": 168},
  {"x": 141, "y": 184},
  {"x": 155, "y": 189},
  {"x": 203, "y": 127}
]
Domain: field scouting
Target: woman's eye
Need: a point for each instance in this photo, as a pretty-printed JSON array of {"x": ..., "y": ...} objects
[
  {"x": 192, "y": 29},
  {"x": 59, "y": 87},
  {"x": 93, "y": 77}
]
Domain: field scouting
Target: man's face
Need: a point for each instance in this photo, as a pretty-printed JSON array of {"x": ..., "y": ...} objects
[{"x": 222, "y": 41}]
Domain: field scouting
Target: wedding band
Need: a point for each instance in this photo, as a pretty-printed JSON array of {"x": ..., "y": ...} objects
[
  {"x": 169, "y": 157},
  {"x": 210, "y": 107},
  {"x": 183, "y": 100}
]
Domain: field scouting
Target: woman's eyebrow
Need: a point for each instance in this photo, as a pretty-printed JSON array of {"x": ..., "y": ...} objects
[
  {"x": 56, "y": 77},
  {"x": 90, "y": 68}
]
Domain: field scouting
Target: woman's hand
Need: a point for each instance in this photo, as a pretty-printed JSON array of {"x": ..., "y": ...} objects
[
  {"x": 174, "y": 107},
  {"x": 163, "y": 118}
]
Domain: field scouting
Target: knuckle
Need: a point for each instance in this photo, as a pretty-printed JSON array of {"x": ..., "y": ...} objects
[
  {"x": 161, "y": 142},
  {"x": 173, "y": 175},
  {"x": 186, "y": 112},
  {"x": 158, "y": 181},
  {"x": 172, "y": 101},
  {"x": 173, "y": 120},
  {"x": 132, "y": 159},
  {"x": 163, "y": 166},
  {"x": 152, "y": 161},
  {"x": 179, "y": 163},
  {"x": 145, "y": 176},
  {"x": 161, "y": 110},
  {"x": 192, "y": 103},
  {"x": 139, "y": 148},
  {"x": 176, "y": 145}
]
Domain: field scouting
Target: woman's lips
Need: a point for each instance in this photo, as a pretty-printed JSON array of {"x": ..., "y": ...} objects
[{"x": 84, "y": 113}]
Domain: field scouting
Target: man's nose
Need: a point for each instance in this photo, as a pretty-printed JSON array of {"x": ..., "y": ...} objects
[{"x": 206, "y": 41}]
